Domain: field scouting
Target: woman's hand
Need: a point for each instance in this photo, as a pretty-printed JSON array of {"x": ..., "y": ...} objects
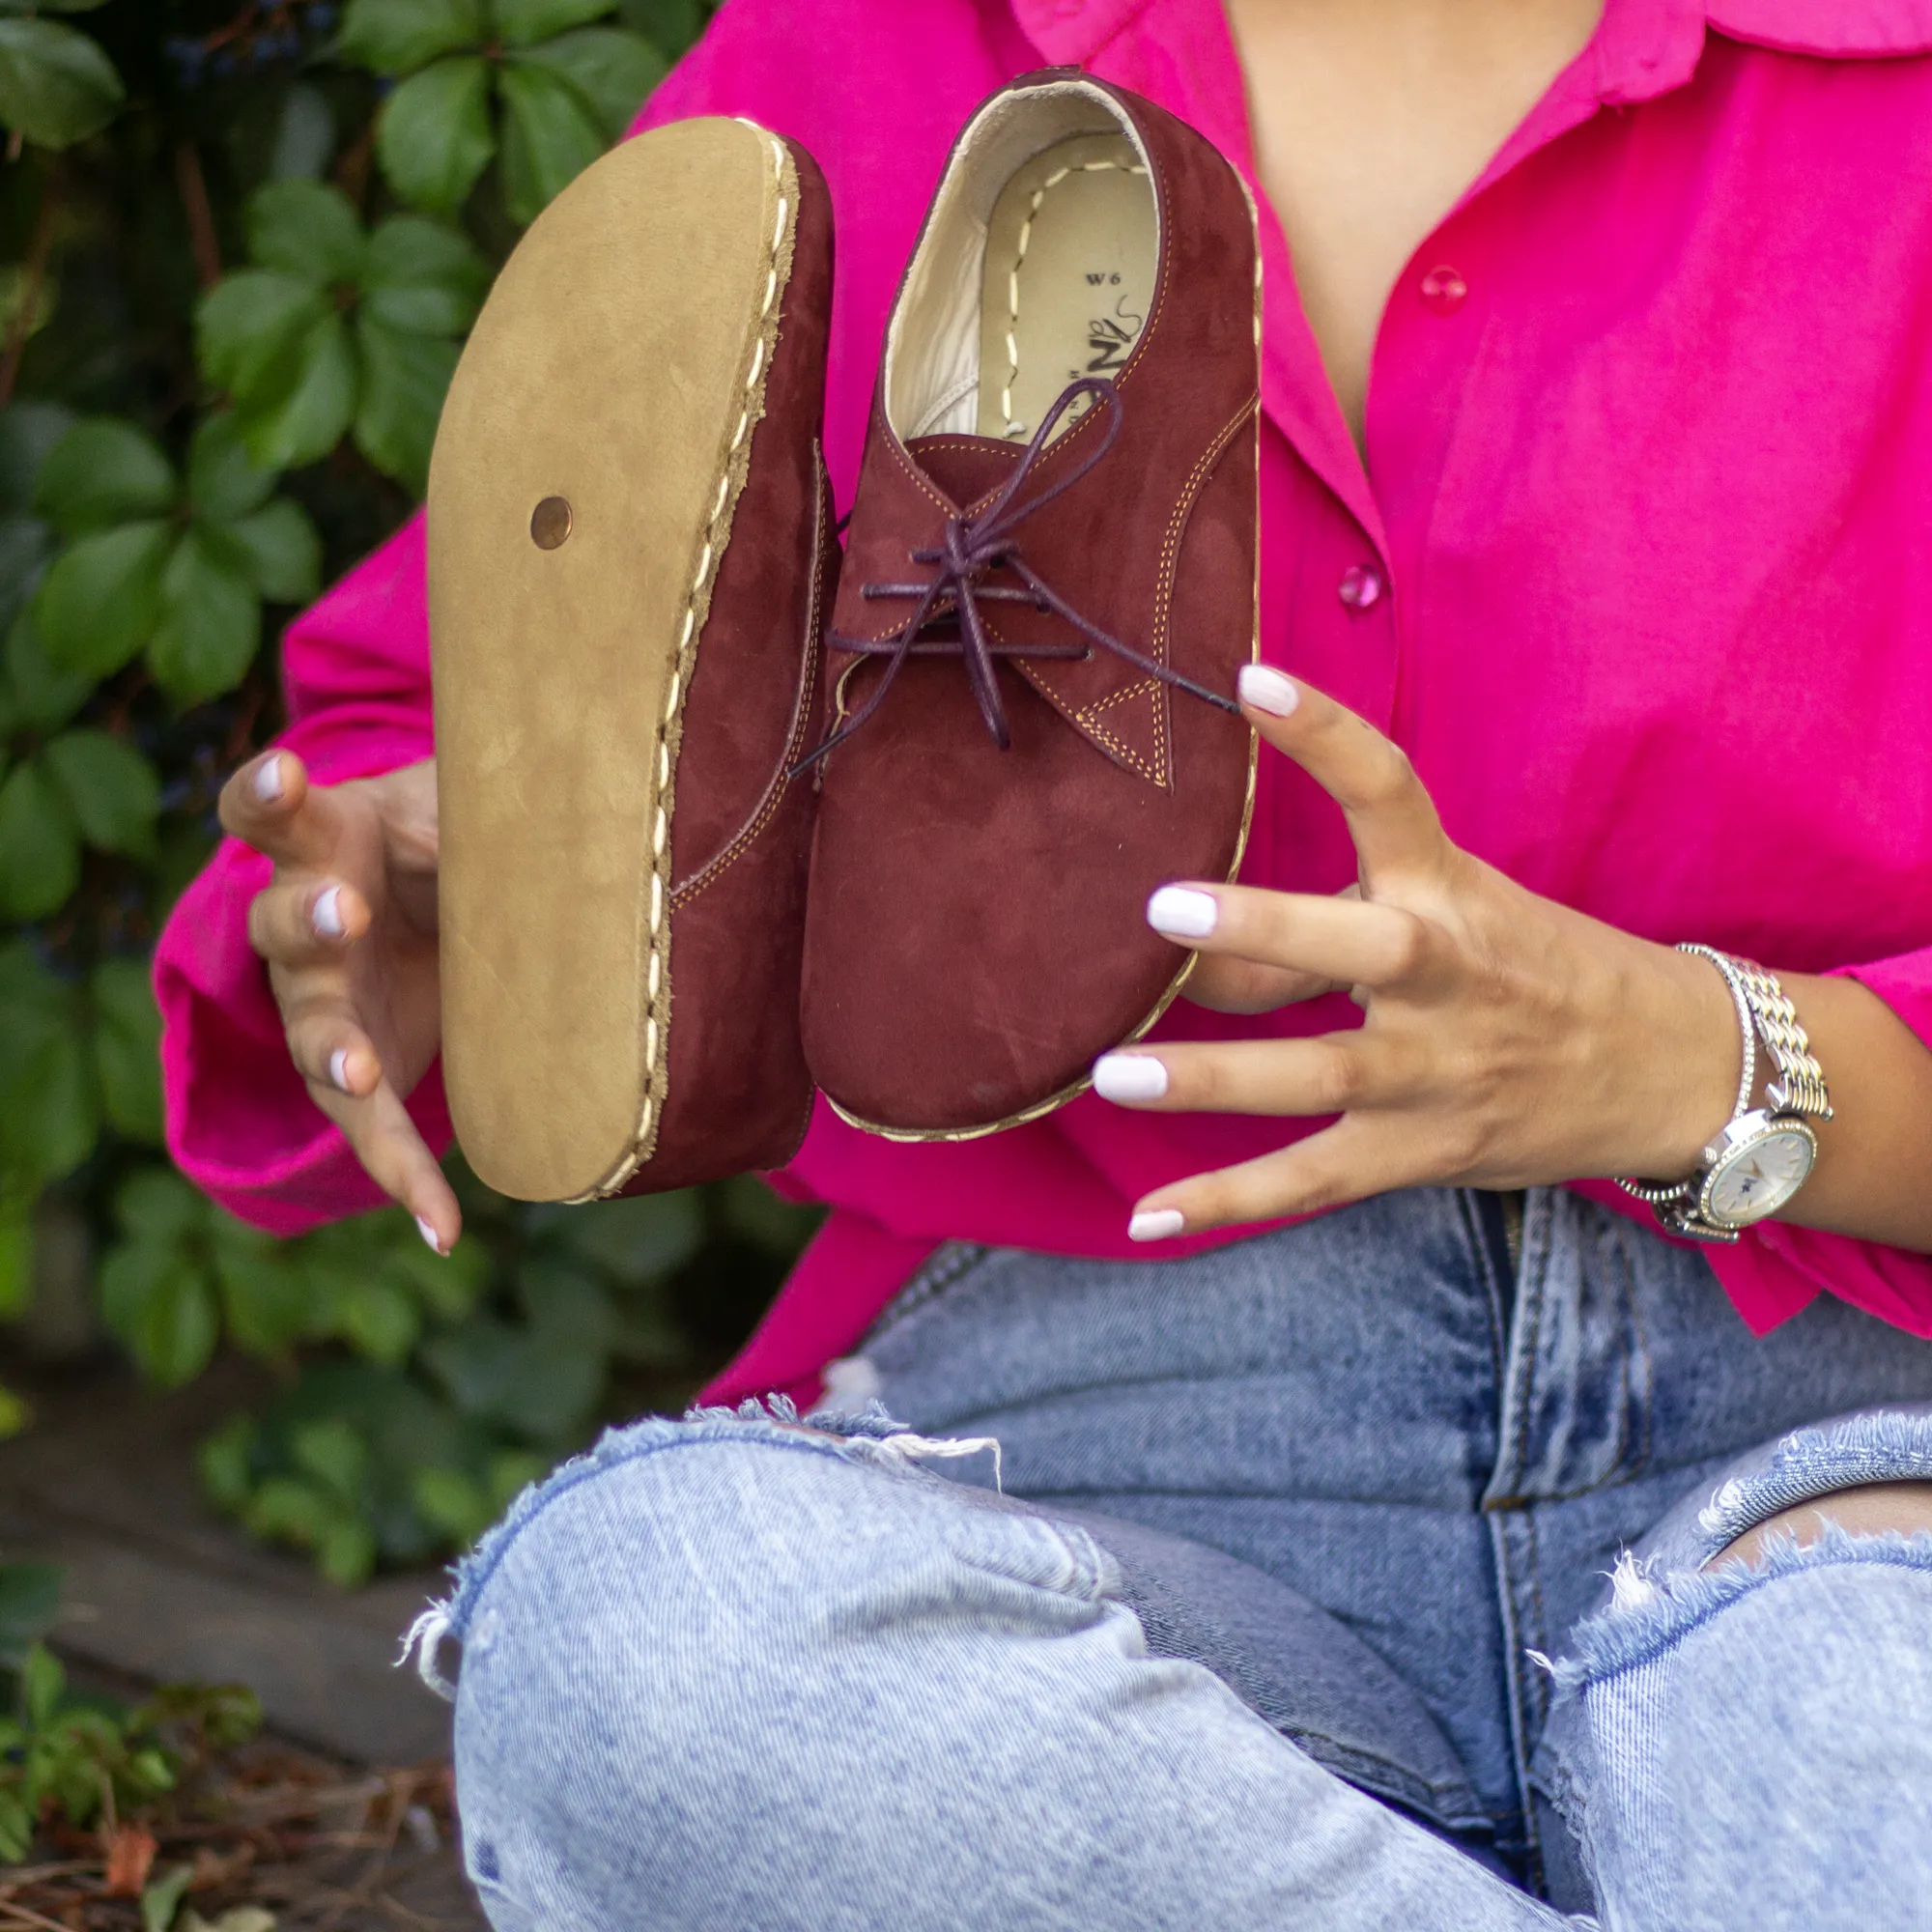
[
  {"x": 1508, "y": 1041},
  {"x": 348, "y": 926}
]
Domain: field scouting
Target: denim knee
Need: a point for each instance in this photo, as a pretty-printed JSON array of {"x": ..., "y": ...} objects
[
  {"x": 662, "y": 1643},
  {"x": 1753, "y": 1745}
]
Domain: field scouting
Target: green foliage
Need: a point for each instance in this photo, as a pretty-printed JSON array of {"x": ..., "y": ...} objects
[
  {"x": 174, "y": 567},
  {"x": 240, "y": 244},
  {"x": 338, "y": 332},
  {"x": 68, "y": 1757},
  {"x": 56, "y": 85},
  {"x": 531, "y": 83},
  {"x": 455, "y": 1382}
]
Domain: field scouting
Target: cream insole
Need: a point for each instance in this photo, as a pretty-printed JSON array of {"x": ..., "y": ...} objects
[{"x": 1073, "y": 252}]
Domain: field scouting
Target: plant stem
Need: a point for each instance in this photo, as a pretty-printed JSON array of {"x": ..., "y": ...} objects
[
  {"x": 202, "y": 238},
  {"x": 40, "y": 250}
]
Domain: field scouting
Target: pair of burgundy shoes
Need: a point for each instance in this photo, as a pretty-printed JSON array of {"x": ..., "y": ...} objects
[{"x": 721, "y": 822}]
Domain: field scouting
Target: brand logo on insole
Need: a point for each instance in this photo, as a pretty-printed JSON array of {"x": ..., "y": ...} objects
[{"x": 1110, "y": 339}]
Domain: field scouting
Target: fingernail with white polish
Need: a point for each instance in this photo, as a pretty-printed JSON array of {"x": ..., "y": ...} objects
[
  {"x": 327, "y": 913},
  {"x": 338, "y": 1071},
  {"x": 429, "y": 1235},
  {"x": 1158, "y": 1224},
  {"x": 1183, "y": 913},
  {"x": 268, "y": 781},
  {"x": 1129, "y": 1076},
  {"x": 1266, "y": 690}
]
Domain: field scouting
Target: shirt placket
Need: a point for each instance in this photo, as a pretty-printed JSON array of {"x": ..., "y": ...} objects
[{"x": 1353, "y": 557}]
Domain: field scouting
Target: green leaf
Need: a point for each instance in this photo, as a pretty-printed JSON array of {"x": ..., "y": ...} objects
[
  {"x": 250, "y": 331},
  {"x": 265, "y": 1290},
  {"x": 29, "y": 1600},
  {"x": 157, "y": 1208},
  {"x": 39, "y": 850},
  {"x": 225, "y": 1462},
  {"x": 396, "y": 36},
  {"x": 455, "y": 1504},
  {"x": 613, "y": 69},
  {"x": 433, "y": 138},
  {"x": 306, "y": 229},
  {"x": 25, "y": 544},
  {"x": 42, "y": 1686},
  {"x": 113, "y": 793},
  {"x": 403, "y": 381},
  {"x": 674, "y": 24},
  {"x": 305, "y": 138},
  {"x": 210, "y": 624},
  {"x": 102, "y": 473},
  {"x": 639, "y": 1239},
  {"x": 333, "y": 1454},
  {"x": 223, "y": 481},
  {"x": 162, "y": 1900},
  {"x": 549, "y": 137},
  {"x": 48, "y": 1119},
  {"x": 347, "y": 1553},
  {"x": 27, "y": 431},
  {"x": 307, "y": 418},
  {"x": 101, "y": 598},
  {"x": 283, "y": 550},
  {"x": 16, "y": 1827},
  {"x": 56, "y": 86},
  {"x": 128, "y": 1048},
  {"x": 523, "y": 22},
  {"x": 17, "y": 1252},
  {"x": 161, "y": 1306},
  {"x": 39, "y": 696},
  {"x": 422, "y": 278},
  {"x": 380, "y": 1322},
  {"x": 449, "y": 1285}
]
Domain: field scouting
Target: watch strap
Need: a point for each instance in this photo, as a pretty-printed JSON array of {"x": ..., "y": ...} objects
[{"x": 1800, "y": 1086}]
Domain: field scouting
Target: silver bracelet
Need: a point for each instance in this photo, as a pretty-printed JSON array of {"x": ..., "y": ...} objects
[{"x": 1657, "y": 1192}]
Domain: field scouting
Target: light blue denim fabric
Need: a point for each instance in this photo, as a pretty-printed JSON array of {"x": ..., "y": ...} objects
[{"x": 1251, "y": 1638}]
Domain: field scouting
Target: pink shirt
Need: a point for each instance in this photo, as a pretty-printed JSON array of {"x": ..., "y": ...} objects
[{"x": 1636, "y": 570}]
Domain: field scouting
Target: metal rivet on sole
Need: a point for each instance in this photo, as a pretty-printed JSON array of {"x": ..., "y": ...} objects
[{"x": 549, "y": 523}]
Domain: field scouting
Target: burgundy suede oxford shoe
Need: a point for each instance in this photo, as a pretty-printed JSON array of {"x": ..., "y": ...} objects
[
  {"x": 631, "y": 554},
  {"x": 1048, "y": 592}
]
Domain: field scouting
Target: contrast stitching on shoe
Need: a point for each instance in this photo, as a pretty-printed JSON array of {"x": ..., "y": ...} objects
[
  {"x": 1184, "y": 511},
  {"x": 1152, "y": 769},
  {"x": 769, "y": 805},
  {"x": 1170, "y": 550},
  {"x": 1039, "y": 195},
  {"x": 697, "y": 606}
]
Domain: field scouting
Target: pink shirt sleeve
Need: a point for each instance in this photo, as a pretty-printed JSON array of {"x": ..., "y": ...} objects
[{"x": 240, "y": 1123}]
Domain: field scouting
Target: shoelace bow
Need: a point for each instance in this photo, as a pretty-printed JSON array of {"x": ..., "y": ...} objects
[{"x": 973, "y": 546}]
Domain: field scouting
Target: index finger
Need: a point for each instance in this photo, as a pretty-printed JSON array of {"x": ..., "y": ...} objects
[
  {"x": 1391, "y": 818},
  {"x": 269, "y": 804}
]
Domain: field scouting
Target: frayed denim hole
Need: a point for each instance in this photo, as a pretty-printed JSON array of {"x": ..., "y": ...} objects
[
  {"x": 1656, "y": 1613},
  {"x": 775, "y": 1421},
  {"x": 1881, "y": 1445}
]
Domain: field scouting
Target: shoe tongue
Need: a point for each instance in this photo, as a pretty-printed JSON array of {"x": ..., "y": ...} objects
[{"x": 965, "y": 466}]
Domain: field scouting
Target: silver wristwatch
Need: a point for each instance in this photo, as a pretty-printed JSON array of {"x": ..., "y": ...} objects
[{"x": 1763, "y": 1156}]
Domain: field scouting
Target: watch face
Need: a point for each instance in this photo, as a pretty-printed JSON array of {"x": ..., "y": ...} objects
[{"x": 1761, "y": 1177}]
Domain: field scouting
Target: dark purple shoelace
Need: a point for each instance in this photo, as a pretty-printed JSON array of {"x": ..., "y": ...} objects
[{"x": 972, "y": 546}]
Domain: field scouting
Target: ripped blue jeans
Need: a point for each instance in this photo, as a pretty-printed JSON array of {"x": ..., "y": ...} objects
[{"x": 1349, "y": 1577}]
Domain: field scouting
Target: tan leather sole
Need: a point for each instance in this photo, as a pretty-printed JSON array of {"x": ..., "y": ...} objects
[{"x": 590, "y": 457}]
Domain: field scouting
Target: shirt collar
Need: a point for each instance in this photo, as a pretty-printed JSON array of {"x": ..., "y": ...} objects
[{"x": 1638, "y": 40}]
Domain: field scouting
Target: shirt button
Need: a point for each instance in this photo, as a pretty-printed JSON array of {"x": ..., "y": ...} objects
[
  {"x": 1443, "y": 288},
  {"x": 1361, "y": 586}
]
